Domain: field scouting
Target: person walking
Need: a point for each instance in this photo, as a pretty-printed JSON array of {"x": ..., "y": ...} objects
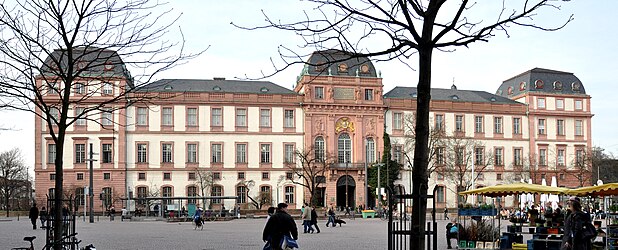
[
  {"x": 112, "y": 212},
  {"x": 43, "y": 217},
  {"x": 452, "y": 232},
  {"x": 331, "y": 217},
  {"x": 314, "y": 219},
  {"x": 306, "y": 217},
  {"x": 33, "y": 215},
  {"x": 572, "y": 238},
  {"x": 280, "y": 224},
  {"x": 446, "y": 213}
]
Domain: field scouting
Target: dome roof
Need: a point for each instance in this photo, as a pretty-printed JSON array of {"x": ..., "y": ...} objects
[
  {"x": 542, "y": 81},
  {"x": 338, "y": 63}
]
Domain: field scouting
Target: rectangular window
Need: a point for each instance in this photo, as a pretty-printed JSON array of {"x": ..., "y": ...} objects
[
  {"x": 289, "y": 195},
  {"x": 397, "y": 120},
  {"x": 368, "y": 94},
  {"x": 560, "y": 127},
  {"x": 264, "y": 153},
  {"x": 543, "y": 157},
  {"x": 192, "y": 176},
  {"x": 289, "y": 175},
  {"x": 517, "y": 157},
  {"x": 108, "y": 88},
  {"x": 142, "y": 116},
  {"x": 579, "y": 157},
  {"x": 498, "y": 157},
  {"x": 79, "y": 88},
  {"x": 559, "y": 104},
  {"x": 167, "y": 176},
  {"x": 516, "y": 126},
  {"x": 167, "y": 119},
  {"x": 459, "y": 156},
  {"x": 370, "y": 149},
  {"x": 561, "y": 176},
  {"x": 440, "y": 155},
  {"x": 107, "y": 153},
  {"x": 192, "y": 117},
  {"x": 216, "y": 117},
  {"x": 52, "y": 177},
  {"x": 217, "y": 153},
  {"x": 498, "y": 125},
  {"x": 241, "y": 153},
  {"x": 241, "y": 117},
  {"x": 579, "y": 105},
  {"x": 241, "y": 175},
  {"x": 498, "y": 176},
  {"x": 289, "y": 153},
  {"x": 560, "y": 157},
  {"x": 265, "y": 176},
  {"x": 79, "y": 121},
  {"x": 289, "y": 119},
  {"x": 439, "y": 122},
  {"x": 107, "y": 176},
  {"x": 397, "y": 154},
  {"x": 216, "y": 191},
  {"x": 440, "y": 193},
  {"x": 579, "y": 127},
  {"x": 479, "y": 156},
  {"x": 478, "y": 124},
  {"x": 54, "y": 114},
  {"x": 540, "y": 103},
  {"x": 216, "y": 175},
  {"x": 51, "y": 153},
  {"x": 142, "y": 153},
  {"x": 106, "y": 117},
  {"x": 459, "y": 123},
  {"x": 541, "y": 126},
  {"x": 80, "y": 176},
  {"x": 319, "y": 92},
  {"x": 265, "y": 118},
  {"x": 141, "y": 176},
  {"x": 191, "y": 153},
  {"x": 80, "y": 153},
  {"x": 166, "y": 152}
]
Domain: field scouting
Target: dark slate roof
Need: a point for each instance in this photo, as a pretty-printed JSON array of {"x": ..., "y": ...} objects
[
  {"x": 321, "y": 62},
  {"x": 95, "y": 62},
  {"x": 218, "y": 85},
  {"x": 454, "y": 95},
  {"x": 551, "y": 79}
]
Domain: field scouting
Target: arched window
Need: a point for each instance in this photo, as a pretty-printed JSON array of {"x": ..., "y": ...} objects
[
  {"x": 370, "y": 151},
  {"x": 241, "y": 193},
  {"x": 142, "y": 193},
  {"x": 191, "y": 192},
  {"x": 107, "y": 197},
  {"x": 166, "y": 192},
  {"x": 216, "y": 190},
  {"x": 344, "y": 148},
  {"x": 289, "y": 194},
  {"x": 265, "y": 195},
  {"x": 319, "y": 148},
  {"x": 51, "y": 193},
  {"x": 79, "y": 195}
]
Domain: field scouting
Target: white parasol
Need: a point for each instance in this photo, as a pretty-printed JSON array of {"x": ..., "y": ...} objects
[
  {"x": 544, "y": 197},
  {"x": 553, "y": 198}
]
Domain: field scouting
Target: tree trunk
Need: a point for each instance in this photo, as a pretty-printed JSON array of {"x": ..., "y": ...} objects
[
  {"x": 6, "y": 196},
  {"x": 58, "y": 192},
  {"x": 421, "y": 150}
]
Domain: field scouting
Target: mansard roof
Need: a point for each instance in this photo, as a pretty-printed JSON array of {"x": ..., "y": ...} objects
[
  {"x": 217, "y": 85},
  {"x": 338, "y": 63},
  {"x": 452, "y": 94},
  {"x": 540, "y": 80}
]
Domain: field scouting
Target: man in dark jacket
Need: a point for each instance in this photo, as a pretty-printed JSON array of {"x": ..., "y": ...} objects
[
  {"x": 33, "y": 215},
  {"x": 314, "y": 219},
  {"x": 280, "y": 224}
]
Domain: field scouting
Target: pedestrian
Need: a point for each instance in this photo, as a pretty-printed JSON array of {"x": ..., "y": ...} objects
[
  {"x": 43, "y": 216},
  {"x": 112, "y": 212},
  {"x": 572, "y": 238},
  {"x": 446, "y": 213},
  {"x": 331, "y": 217},
  {"x": 33, "y": 215},
  {"x": 306, "y": 217},
  {"x": 452, "y": 232},
  {"x": 124, "y": 213},
  {"x": 271, "y": 211},
  {"x": 314, "y": 219},
  {"x": 280, "y": 224}
]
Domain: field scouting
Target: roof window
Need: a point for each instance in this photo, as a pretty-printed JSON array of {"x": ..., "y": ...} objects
[
  {"x": 168, "y": 87},
  {"x": 216, "y": 88},
  {"x": 264, "y": 89}
]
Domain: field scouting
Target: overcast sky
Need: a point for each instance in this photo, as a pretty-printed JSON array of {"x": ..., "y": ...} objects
[{"x": 585, "y": 47}]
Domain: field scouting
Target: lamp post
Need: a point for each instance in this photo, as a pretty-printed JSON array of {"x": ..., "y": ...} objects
[
  {"x": 346, "y": 183},
  {"x": 91, "y": 161}
]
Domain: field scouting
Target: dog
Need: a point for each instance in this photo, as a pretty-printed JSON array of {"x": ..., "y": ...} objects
[{"x": 339, "y": 221}]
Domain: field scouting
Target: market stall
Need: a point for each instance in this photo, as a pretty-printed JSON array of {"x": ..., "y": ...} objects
[{"x": 610, "y": 235}]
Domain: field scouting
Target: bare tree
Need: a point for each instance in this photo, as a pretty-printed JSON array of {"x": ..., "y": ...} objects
[
  {"x": 582, "y": 164},
  {"x": 310, "y": 170},
  {"x": 204, "y": 180},
  {"x": 13, "y": 175},
  {"x": 436, "y": 138},
  {"x": 58, "y": 55},
  {"x": 402, "y": 29}
]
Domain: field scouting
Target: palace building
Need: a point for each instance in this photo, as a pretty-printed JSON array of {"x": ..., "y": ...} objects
[{"x": 241, "y": 138}]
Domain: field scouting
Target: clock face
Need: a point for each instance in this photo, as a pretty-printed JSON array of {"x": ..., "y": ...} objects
[{"x": 343, "y": 67}]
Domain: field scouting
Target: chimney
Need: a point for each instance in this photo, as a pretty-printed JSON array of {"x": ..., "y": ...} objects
[{"x": 219, "y": 78}]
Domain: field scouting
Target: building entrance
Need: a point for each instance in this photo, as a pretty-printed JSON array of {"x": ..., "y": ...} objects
[{"x": 346, "y": 189}]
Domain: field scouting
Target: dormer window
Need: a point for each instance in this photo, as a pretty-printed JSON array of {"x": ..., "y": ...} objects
[
  {"x": 557, "y": 85},
  {"x": 522, "y": 86},
  {"x": 509, "y": 90},
  {"x": 264, "y": 89},
  {"x": 454, "y": 97},
  {"x": 538, "y": 84},
  {"x": 493, "y": 99},
  {"x": 575, "y": 86},
  {"x": 216, "y": 88},
  {"x": 343, "y": 67},
  {"x": 413, "y": 95},
  {"x": 364, "y": 68},
  {"x": 108, "y": 66},
  {"x": 168, "y": 87}
]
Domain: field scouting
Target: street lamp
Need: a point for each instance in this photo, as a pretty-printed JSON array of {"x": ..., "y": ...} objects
[{"x": 90, "y": 191}]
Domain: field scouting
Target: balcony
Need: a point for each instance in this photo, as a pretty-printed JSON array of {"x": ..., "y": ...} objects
[{"x": 350, "y": 166}]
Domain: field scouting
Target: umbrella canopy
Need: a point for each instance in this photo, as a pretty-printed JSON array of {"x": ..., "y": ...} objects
[
  {"x": 554, "y": 199},
  {"x": 515, "y": 188},
  {"x": 601, "y": 190},
  {"x": 544, "y": 197}
]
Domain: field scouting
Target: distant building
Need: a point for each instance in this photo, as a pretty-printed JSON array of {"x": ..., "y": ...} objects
[{"x": 244, "y": 135}]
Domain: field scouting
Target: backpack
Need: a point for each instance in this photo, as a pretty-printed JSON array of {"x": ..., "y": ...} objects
[{"x": 454, "y": 229}]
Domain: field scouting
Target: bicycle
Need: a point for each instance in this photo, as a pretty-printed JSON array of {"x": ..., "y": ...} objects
[
  {"x": 199, "y": 223},
  {"x": 72, "y": 243}
]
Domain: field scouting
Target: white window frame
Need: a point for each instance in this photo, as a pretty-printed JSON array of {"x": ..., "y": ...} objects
[
  {"x": 142, "y": 116},
  {"x": 167, "y": 118},
  {"x": 241, "y": 117},
  {"x": 166, "y": 153},
  {"x": 241, "y": 153},
  {"x": 192, "y": 116},
  {"x": 288, "y": 121},
  {"x": 216, "y": 153},
  {"x": 216, "y": 117},
  {"x": 265, "y": 153},
  {"x": 192, "y": 153}
]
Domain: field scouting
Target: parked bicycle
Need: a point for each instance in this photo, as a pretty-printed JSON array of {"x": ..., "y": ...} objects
[{"x": 67, "y": 242}]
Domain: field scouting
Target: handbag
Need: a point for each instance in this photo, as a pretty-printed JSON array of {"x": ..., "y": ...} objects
[
  {"x": 588, "y": 231},
  {"x": 288, "y": 243}
]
